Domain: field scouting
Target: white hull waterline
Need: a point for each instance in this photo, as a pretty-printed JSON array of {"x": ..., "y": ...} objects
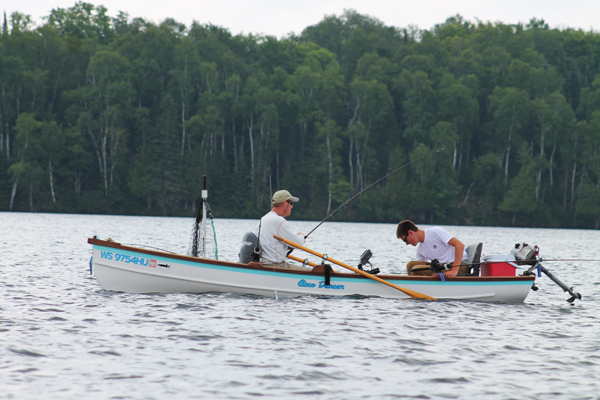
[{"x": 134, "y": 270}]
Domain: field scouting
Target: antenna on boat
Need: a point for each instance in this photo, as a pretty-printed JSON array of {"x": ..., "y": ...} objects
[{"x": 204, "y": 198}]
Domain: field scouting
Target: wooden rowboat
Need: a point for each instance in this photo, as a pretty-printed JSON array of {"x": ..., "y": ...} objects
[{"x": 138, "y": 270}]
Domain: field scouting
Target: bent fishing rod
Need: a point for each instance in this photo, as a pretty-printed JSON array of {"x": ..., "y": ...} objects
[{"x": 368, "y": 187}]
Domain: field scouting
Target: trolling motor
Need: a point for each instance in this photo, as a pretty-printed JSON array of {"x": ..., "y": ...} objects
[
  {"x": 527, "y": 255},
  {"x": 364, "y": 261}
]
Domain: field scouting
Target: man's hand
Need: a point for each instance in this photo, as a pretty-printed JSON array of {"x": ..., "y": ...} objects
[{"x": 451, "y": 273}]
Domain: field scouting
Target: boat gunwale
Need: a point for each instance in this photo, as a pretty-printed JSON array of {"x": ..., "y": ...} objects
[{"x": 261, "y": 267}]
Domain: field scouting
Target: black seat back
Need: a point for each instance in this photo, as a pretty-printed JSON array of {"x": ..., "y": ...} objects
[{"x": 473, "y": 259}]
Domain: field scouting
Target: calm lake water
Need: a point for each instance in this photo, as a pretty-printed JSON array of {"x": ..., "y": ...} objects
[{"x": 63, "y": 337}]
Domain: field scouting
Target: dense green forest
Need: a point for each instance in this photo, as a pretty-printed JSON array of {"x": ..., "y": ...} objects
[{"x": 124, "y": 116}]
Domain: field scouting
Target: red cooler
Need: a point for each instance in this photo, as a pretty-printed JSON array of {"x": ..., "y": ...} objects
[{"x": 499, "y": 265}]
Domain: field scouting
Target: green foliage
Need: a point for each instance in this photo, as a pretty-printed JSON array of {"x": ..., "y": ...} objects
[
  {"x": 520, "y": 197},
  {"x": 112, "y": 115}
]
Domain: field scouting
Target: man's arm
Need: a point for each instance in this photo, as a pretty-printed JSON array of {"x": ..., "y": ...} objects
[
  {"x": 459, "y": 249},
  {"x": 285, "y": 231}
]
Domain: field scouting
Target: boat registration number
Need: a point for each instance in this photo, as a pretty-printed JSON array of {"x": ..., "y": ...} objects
[{"x": 109, "y": 255}]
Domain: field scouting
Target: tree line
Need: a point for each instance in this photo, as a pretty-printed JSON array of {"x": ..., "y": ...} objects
[{"x": 124, "y": 116}]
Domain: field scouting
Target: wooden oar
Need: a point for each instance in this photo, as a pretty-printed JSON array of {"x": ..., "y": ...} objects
[
  {"x": 409, "y": 292},
  {"x": 301, "y": 261},
  {"x": 312, "y": 264}
]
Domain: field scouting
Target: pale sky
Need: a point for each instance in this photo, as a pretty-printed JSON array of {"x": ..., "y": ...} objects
[{"x": 279, "y": 17}]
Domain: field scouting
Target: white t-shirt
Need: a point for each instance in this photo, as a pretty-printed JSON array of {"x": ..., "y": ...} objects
[
  {"x": 273, "y": 250},
  {"x": 435, "y": 245}
]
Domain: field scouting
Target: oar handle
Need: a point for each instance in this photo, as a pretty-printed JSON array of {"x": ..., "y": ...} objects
[{"x": 409, "y": 292}]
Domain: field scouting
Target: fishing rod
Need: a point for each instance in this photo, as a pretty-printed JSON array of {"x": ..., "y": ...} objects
[
  {"x": 270, "y": 186},
  {"x": 256, "y": 253},
  {"x": 492, "y": 262},
  {"x": 564, "y": 259},
  {"x": 368, "y": 187}
]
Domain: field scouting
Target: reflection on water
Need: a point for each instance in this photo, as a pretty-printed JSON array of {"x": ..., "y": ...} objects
[{"x": 64, "y": 337}]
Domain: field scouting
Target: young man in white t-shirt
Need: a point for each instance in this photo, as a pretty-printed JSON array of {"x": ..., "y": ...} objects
[{"x": 432, "y": 243}]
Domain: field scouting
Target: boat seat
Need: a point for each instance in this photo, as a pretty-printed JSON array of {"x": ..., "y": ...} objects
[{"x": 473, "y": 259}]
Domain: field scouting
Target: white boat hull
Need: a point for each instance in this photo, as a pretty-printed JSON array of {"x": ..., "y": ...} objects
[{"x": 134, "y": 270}]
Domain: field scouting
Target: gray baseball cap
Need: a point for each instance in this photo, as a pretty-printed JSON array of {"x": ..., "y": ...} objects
[{"x": 282, "y": 195}]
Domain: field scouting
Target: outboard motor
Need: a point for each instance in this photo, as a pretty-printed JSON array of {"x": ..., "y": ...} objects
[
  {"x": 525, "y": 253},
  {"x": 247, "y": 251},
  {"x": 364, "y": 261}
]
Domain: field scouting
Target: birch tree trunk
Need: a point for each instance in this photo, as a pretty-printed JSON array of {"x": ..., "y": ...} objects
[
  {"x": 454, "y": 155},
  {"x": 550, "y": 167},
  {"x": 330, "y": 174},
  {"x": 350, "y": 164},
  {"x": 573, "y": 181},
  {"x": 51, "y": 181},
  {"x": 538, "y": 180},
  {"x": 250, "y": 127},
  {"x": 574, "y": 172},
  {"x": 182, "y": 126},
  {"x": 13, "y": 193},
  {"x": 31, "y": 196},
  {"x": 235, "y": 156}
]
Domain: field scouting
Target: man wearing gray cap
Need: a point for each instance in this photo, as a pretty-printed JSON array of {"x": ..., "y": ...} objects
[{"x": 274, "y": 252}]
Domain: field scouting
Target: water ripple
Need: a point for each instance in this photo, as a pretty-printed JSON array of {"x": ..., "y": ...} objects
[
  {"x": 25, "y": 352},
  {"x": 64, "y": 337}
]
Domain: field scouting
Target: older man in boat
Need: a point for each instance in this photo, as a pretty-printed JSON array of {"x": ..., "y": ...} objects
[
  {"x": 273, "y": 251},
  {"x": 432, "y": 243}
]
